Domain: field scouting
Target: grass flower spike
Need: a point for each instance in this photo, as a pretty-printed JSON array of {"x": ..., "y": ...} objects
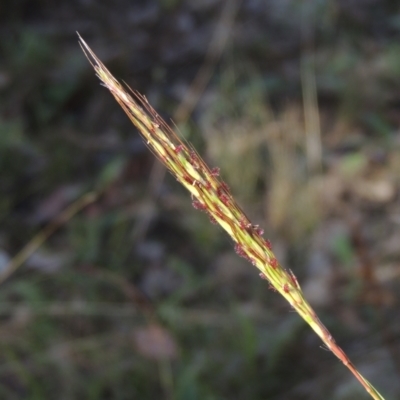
[{"x": 212, "y": 196}]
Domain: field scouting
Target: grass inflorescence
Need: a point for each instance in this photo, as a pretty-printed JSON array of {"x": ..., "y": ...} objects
[{"x": 212, "y": 195}]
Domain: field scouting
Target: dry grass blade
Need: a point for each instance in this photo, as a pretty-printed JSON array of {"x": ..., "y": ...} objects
[
  {"x": 211, "y": 195},
  {"x": 45, "y": 233}
]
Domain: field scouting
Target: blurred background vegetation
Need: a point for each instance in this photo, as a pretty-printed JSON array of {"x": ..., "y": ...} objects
[{"x": 138, "y": 295}]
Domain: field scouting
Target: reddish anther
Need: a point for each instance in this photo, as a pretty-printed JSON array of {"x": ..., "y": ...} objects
[
  {"x": 215, "y": 171},
  {"x": 268, "y": 244},
  {"x": 213, "y": 220},
  {"x": 225, "y": 199},
  {"x": 244, "y": 224},
  {"x": 194, "y": 160},
  {"x": 273, "y": 262},
  {"x": 178, "y": 149},
  {"x": 199, "y": 205},
  {"x": 286, "y": 288},
  {"x": 258, "y": 230},
  {"x": 239, "y": 250},
  {"x": 189, "y": 180},
  {"x": 262, "y": 276}
]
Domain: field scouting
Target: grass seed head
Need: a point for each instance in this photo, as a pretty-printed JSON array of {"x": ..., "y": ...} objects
[{"x": 212, "y": 195}]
